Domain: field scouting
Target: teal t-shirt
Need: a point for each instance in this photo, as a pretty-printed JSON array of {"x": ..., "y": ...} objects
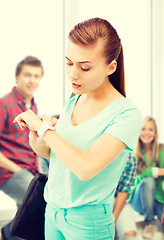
[{"x": 64, "y": 189}]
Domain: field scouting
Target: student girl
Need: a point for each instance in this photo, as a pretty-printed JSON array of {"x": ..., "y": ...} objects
[
  {"x": 147, "y": 194},
  {"x": 92, "y": 138}
]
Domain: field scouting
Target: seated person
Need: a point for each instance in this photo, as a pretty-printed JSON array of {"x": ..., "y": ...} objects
[
  {"x": 18, "y": 162},
  {"x": 147, "y": 195},
  {"x": 123, "y": 212}
]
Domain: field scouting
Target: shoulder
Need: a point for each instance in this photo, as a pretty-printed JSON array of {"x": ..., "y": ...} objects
[
  {"x": 130, "y": 107},
  {"x": 4, "y": 100},
  {"x": 128, "y": 114},
  {"x": 126, "y": 109}
]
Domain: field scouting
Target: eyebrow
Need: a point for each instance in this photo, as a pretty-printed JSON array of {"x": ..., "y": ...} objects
[{"x": 78, "y": 62}]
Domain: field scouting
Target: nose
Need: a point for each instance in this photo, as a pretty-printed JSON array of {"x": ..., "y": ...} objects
[
  {"x": 32, "y": 79},
  {"x": 73, "y": 73}
]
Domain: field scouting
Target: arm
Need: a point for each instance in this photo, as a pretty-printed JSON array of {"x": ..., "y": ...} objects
[
  {"x": 148, "y": 172},
  {"x": 126, "y": 181},
  {"x": 161, "y": 172},
  {"x": 38, "y": 145},
  {"x": 4, "y": 161},
  {"x": 84, "y": 164},
  {"x": 119, "y": 204},
  {"x": 8, "y": 164}
]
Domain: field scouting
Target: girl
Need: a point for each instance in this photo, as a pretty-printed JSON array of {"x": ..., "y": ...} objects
[
  {"x": 92, "y": 138},
  {"x": 147, "y": 195}
]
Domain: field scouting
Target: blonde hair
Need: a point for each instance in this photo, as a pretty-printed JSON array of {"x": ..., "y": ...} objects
[{"x": 155, "y": 147}]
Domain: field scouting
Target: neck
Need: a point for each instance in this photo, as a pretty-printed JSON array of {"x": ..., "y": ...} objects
[
  {"x": 147, "y": 147},
  {"x": 28, "y": 101},
  {"x": 106, "y": 91}
]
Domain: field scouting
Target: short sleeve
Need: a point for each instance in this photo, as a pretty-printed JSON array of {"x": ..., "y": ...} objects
[{"x": 126, "y": 126}]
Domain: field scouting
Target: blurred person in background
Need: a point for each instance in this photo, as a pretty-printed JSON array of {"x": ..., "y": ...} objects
[
  {"x": 18, "y": 162},
  {"x": 147, "y": 196},
  {"x": 123, "y": 212}
]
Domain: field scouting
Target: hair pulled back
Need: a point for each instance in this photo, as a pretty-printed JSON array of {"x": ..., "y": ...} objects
[{"x": 89, "y": 32}]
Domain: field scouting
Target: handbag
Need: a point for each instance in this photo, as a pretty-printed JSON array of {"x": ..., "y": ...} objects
[{"x": 28, "y": 222}]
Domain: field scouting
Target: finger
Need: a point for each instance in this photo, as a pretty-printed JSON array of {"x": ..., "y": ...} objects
[
  {"x": 21, "y": 125},
  {"x": 47, "y": 118},
  {"x": 15, "y": 119},
  {"x": 41, "y": 117},
  {"x": 54, "y": 121}
]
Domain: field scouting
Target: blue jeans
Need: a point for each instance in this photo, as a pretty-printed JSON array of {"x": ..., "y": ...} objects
[
  {"x": 88, "y": 222},
  {"x": 17, "y": 185},
  {"x": 44, "y": 164},
  {"x": 143, "y": 201}
]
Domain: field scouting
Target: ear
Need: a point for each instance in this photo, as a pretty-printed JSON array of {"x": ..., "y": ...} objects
[{"x": 112, "y": 67}]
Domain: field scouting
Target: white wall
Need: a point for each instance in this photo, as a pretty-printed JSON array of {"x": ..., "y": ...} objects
[
  {"x": 158, "y": 65},
  {"x": 33, "y": 27}
]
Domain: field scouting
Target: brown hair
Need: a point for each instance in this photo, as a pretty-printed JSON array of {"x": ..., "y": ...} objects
[
  {"x": 89, "y": 32},
  {"x": 29, "y": 60},
  {"x": 155, "y": 147}
]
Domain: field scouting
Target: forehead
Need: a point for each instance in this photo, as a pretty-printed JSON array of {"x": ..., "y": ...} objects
[
  {"x": 149, "y": 124},
  {"x": 80, "y": 53},
  {"x": 31, "y": 69}
]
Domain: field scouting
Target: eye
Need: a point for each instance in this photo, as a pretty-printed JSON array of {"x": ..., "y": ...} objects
[
  {"x": 37, "y": 76},
  {"x": 85, "y": 69}
]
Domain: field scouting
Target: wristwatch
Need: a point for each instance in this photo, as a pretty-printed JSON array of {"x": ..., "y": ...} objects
[{"x": 44, "y": 127}]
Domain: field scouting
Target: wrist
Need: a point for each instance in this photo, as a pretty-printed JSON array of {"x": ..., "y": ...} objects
[
  {"x": 155, "y": 171},
  {"x": 44, "y": 127}
]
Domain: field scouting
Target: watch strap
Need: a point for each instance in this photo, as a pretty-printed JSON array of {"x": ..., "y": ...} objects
[{"x": 44, "y": 127}]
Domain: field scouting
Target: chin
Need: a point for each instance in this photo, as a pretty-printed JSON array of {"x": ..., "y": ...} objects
[
  {"x": 147, "y": 142},
  {"x": 76, "y": 91}
]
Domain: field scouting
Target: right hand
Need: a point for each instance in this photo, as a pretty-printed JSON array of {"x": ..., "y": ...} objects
[{"x": 28, "y": 119}]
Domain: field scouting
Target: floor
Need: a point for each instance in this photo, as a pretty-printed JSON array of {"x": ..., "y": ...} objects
[{"x": 158, "y": 235}]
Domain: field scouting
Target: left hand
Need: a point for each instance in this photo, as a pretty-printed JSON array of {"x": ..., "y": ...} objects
[
  {"x": 28, "y": 119},
  {"x": 49, "y": 119}
]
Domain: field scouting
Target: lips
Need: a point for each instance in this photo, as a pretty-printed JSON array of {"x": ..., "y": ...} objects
[
  {"x": 74, "y": 85},
  {"x": 31, "y": 87}
]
